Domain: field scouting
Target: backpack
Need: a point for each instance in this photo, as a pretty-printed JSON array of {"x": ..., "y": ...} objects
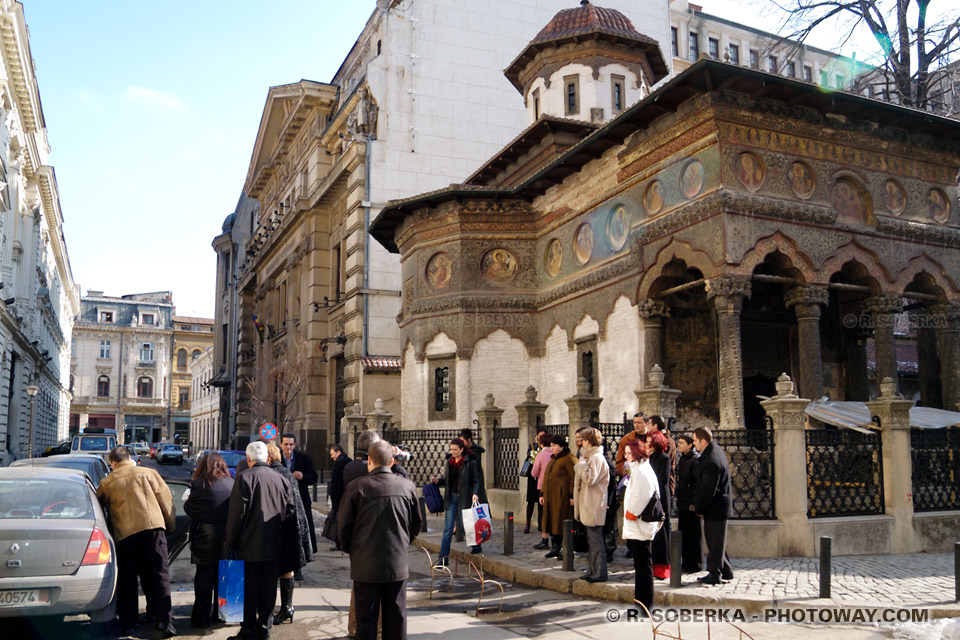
[{"x": 431, "y": 495}]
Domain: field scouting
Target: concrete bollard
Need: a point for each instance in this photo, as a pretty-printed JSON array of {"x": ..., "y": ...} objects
[
  {"x": 423, "y": 513},
  {"x": 568, "y": 529},
  {"x": 508, "y": 533},
  {"x": 825, "y": 560},
  {"x": 676, "y": 571}
]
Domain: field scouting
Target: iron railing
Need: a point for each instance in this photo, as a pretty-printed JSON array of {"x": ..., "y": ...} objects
[
  {"x": 844, "y": 473},
  {"x": 935, "y": 454},
  {"x": 750, "y": 460},
  {"x": 506, "y": 458},
  {"x": 558, "y": 429},
  {"x": 429, "y": 448}
]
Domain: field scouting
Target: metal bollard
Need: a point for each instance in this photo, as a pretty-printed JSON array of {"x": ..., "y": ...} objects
[
  {"x": 315, "y": 491},
  {"x": 825, "y": 560},
  {"x": 423, "y": 514},
  {"x": 956, "y": 571},
  {"x": 568, "y": 545},
  {"x": 676, "y": 542},
  {"x": 508, "y": 533}
]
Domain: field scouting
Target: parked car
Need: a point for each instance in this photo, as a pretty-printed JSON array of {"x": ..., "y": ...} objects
[
  {"x": 60, "y": 557},
  {"x": 133, "y": 452},
  {"x": 92, "y": 465},
  {"x": 232, "y": 458},
  {"x": 170, "y": 453},
  {"x": 63, "y": 447},
  {"x": 97, "y": 443},
  {"x": 153, "y": 449}
]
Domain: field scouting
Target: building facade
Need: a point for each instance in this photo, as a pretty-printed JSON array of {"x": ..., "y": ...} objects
[
  {"x": 205, "y": 406},
  {"x": 38, "y": 298},
  {"x": 122, "y": 365},
  {"x": 191, "y": 338}
]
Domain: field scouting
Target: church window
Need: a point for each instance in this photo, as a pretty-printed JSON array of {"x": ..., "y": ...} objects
[
  {"x": 587, "y": 363},
  {"x": 572, "y": 87},
  {"x": 618, "y": 97},
  {"x": 441, "y": 393}
]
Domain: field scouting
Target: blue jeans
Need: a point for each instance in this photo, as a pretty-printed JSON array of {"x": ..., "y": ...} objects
[{"x": 453, "y": 510}]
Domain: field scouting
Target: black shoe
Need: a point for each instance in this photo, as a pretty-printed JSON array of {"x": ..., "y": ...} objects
[
  {"x": 199, "y": 624},
  {"x": 166, "y": 629},
  {"x": 298, "y": 576},
  {"x": 726, "y": 577},
  {"x": 610, "y": 558},
  {"x": 284, "y": 615},
  {"x": 543, "y": 544},
  {"x": 147, "y": 618},
  {"x": 335, "y": 549},
  {"x": 553, "y": 553},
  {"x": 476, "y": 549},
  {"x": 708, "y": 580},
  {"x": 594, "y": 580}
]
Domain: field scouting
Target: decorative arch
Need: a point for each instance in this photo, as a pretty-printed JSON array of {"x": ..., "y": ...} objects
[
  {"x": 853, "y": 251},
  {"x": 675, "y": 250},
  {"x": 921, "y": 263},
  {"x": 783, "y": 243}
]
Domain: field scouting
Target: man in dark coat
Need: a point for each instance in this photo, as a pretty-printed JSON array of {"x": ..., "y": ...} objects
[
  {"x": 379, "y": 517},
  {"x": 301, "y": 466},
  {"x": 337, "y": 485},
  {"x": 687, "y": 520},
  {"x": 714, "y": 504},
  {"x": 259, "y": 505}
]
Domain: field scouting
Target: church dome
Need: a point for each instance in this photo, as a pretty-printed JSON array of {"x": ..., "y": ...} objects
[
  {"x": 228, "y": 223},
  {"x": 588, "y": 18}
]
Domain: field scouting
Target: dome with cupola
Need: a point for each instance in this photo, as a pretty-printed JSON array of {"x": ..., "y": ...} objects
[{"x": 588, "y": 63}]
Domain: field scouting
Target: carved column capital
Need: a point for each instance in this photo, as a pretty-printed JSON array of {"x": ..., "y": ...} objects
[
  {"x": 727, "y": 293},
  {"x": 883, "y": 305},
  {"x": 650, "y": 308},
  {"x": 806, "y": 300}
]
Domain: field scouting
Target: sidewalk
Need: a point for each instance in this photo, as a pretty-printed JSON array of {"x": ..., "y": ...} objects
[{"x": 916, "y": 580}]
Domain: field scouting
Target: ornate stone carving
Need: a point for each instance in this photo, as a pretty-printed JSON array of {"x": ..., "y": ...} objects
[
  {"x": 806, "y": 296},
  {"x": 806, "y": 303},
  {"x": 650, "y": 308},
  {"x": 727, "y": 294},
  {"x": 727, "y": 287}
]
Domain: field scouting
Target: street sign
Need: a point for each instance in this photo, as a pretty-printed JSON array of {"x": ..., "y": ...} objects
[{"x": 268, "y": 432}]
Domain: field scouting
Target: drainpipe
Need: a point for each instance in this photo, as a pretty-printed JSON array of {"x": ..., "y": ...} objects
[
  {"x": 117, "y": 422},
  {"x": 366, "y": 249},
  {"x": 232, "y": 345}
]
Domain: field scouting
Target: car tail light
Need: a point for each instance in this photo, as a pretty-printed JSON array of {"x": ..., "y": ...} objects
[{"x": 98, "y": 549}]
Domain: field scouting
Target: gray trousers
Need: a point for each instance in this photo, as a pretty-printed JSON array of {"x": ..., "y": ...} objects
[{"x": 597, "y": 556}]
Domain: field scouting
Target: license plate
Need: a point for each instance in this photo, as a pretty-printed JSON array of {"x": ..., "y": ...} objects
[{"x": 25, "y": 598}]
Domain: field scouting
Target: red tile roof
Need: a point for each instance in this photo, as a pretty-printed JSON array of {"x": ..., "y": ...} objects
[
  {"x": 387, "y": 364},
  {"x": 586, "y": 18}
]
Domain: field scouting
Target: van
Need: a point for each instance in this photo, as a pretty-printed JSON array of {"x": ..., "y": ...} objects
[{"x": 100, "y": 444}]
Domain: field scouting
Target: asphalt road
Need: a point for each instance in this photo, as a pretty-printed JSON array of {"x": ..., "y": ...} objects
[{"x": 169, "y": 470}]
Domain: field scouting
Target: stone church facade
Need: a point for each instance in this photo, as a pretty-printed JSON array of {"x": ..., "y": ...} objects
[{"x": 731, "y": 226}]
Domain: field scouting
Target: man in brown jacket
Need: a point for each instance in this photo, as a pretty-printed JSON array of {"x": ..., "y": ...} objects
[{"x": 141, "y": 510}]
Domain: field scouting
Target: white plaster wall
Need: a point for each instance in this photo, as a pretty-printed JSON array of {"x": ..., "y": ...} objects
[
  {"x": 558, "y": 373},
  {"x": 586, "y": 327},
  {"x": 500, "y": 366},
  {"x": 593, "y": 93},
  {"x": 413, "y": 391},
  {"x": 619, "y": 360}
]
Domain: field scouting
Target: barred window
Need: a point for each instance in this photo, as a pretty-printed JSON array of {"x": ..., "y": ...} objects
[{"x": 441, "y": 387}]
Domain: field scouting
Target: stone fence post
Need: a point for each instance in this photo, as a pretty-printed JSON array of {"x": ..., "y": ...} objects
[
  {"x": 790, "y": 468},
  {"x": 488, "y": 417},
  {"x": 379, "y": 419},
  {"x": 657, "y": 398},
  {"x": 530, "y": 413},
  {"x": 580, "y": 407},
  {"x": 894, "y": 414}
]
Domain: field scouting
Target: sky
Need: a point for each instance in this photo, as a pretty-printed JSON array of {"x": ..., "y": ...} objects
[{"x": 152, "y": 110}]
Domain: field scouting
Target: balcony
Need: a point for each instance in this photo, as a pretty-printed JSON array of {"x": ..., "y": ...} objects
[{"x": 147, "y": 363}]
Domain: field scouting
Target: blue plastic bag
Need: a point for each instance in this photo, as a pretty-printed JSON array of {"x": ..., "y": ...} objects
[{"x": 230, "y": 592}]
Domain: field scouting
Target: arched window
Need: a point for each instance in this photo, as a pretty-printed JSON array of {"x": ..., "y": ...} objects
[
  {"x": 181, "y": 358},
  {"x": 103, "y": 387},
  {"x": 196, "y": 353},
  {"x": 144, "y": 387}
]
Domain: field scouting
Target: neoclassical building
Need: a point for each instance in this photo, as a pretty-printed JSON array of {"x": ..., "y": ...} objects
[{"x": 730, "y": 226}]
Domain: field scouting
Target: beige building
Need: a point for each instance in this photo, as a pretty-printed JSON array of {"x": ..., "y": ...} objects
[
  {"x": 205, "y": 404},
  {"x": 191, "y": 337}
]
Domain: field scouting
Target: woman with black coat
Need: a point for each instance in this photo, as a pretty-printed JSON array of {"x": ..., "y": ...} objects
[
  {"x": 660, "y": 462},
  {"x": 462, "y": 487},
  {"x": 207, "y": 506},
  {"x": 297, "y": 548}
]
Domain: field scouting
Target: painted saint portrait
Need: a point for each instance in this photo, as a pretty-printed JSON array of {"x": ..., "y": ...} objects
[
  {"x": 439, "y": 270},
  {"x": 894, "y": 197},
  {"x": 847, "y": 202},
  {"x": 749, "y": 171},
  {"x": 583, "y": 244},
  {"x": 618, "y": 227},
  {"x": 938, "y": 205},
  {"x": 652, "y": 198},
  {"x": 554, "y": 258},
  {"x": 499, "y": 265},
  {"x": 801, "y": 181},
  {"x": 691, "y": 181}
]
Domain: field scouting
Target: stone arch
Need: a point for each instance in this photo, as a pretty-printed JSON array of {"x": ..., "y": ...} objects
[
  {"x": 439, "y": 343},
  {"x": 783, "y": 243},
  {"x": 675, "y": 250},
  {"x": 853, "y": 251},
  {"x": 620, "y": 299},
  {"x": 920, "y": 264}
]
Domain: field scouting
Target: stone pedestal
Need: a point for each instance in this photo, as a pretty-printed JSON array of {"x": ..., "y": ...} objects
[
  {"x": 883, "y": 312},
  {"x": 379, "y": 419},
  {"x": 352, "y": 423},
  {"x": 652, "y": 314},
  {"x": 531, "y": 413},
  {"x": 790, "y": 469},
  {"x": 727, "y": 294},
  {"x": 489, "y": 417},
  {"x": 580, "y": 407},
  {"x": 806, "y": 303},
  {"x": 656, "y": 398},
  {"x": 894, "y": 414}
]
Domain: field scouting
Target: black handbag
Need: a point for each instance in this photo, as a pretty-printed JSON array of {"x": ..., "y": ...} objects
[
  {"x": 653, "y": 512},
  {"x": 330, "y": 529},
  {"x": 526, "y": 469}
]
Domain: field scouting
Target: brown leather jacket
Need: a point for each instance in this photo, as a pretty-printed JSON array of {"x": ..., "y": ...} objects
[{"x": 138, "y": 500}]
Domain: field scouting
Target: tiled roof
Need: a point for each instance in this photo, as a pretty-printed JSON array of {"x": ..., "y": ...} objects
[
  {"x": 192, "y": 320},
  {"x": 380, "y": 363},
  {"x": 586, "y": 18}
]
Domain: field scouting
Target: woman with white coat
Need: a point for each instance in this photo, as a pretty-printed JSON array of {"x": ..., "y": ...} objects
[
  {"x": 590, "y": 501},
  {"x": 637, "y": 533}
]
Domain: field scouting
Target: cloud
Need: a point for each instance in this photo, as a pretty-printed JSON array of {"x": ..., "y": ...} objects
[{"x": 154, "y": 98}]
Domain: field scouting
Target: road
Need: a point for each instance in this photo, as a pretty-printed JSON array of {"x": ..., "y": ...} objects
[{"x": 169, "y": 470}]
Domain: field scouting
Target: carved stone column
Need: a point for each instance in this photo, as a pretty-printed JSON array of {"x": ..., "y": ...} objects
[
  {"x": 790, "y": 461},
  {"x": 947, "y": 321},
  {"x": 652, "y": 313},
  {"x": 352, "y": 423},
  {"x": 530, "y": 414},
  {"x": 727, "y": 294},
  {"x": 894, "y": 414},
  {"x": 928, "y": 358},
  {"x": 489, "y": 417},
  {"x": 581, "y": 406},
  {"x": 806, "y": 303},
  {"x": 657, "y": 398},
  {"x": 883, "y": 312}
]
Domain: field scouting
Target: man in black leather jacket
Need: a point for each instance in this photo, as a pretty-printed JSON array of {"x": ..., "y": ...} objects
[{"x": 714, "y": 503}]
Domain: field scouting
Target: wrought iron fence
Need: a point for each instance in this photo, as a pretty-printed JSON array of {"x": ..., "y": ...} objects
[
  {"x": 429, "y": 448},
  {"x": 558, "y": 429},
  {"x": 936, "y": 468},
  {"x": 612, "y": 432},
  {"x": 506, "y": 460},
  {"x": 750, "y": 458},
  {"x": 844, "y": 473}
]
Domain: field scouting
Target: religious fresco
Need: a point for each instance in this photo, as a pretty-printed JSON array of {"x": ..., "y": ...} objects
[
  {"x": 938, "y": 205},
  {"x": 894, "y": 197},
  {"x": 801, "y": 180},
  {"x": 554, "y": 258},
  {"x": 618, "y": 227},
  {"x": 583, "y": 244},
  {"x": 691, "y": 180},
  {"x": 749, "y": 171},
  {"x": 499, "y": 265},
  {"x": 439, "y": 270},
  {"x": 653, "y": 198},
  {"x": 847, "y": 202}
]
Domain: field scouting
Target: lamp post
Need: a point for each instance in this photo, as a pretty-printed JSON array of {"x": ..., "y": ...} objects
[{"x": 32, "y": 392}]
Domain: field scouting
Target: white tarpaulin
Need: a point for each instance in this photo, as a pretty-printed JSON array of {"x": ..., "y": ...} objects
[{"x": 855, "y": 415}]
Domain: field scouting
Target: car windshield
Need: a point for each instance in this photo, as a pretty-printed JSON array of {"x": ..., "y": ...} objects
[
  {"x": 171, "y": 447},
  {"x": 93, "y": 444},
  {"x": 89, "y": 467},
  {"x": 232, "y": 459},
  {"x": 44, "y": 498}
]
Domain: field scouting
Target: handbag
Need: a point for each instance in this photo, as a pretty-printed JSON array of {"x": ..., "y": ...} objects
[
  {"x": 330, "y": 529},
  {"x": 476, "y": 523},
  {"x": 526, "y": 469},
  {"x": 653, "y": 512}
]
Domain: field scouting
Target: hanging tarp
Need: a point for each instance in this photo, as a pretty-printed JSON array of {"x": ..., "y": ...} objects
[{"x": 856, "y": 416}]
